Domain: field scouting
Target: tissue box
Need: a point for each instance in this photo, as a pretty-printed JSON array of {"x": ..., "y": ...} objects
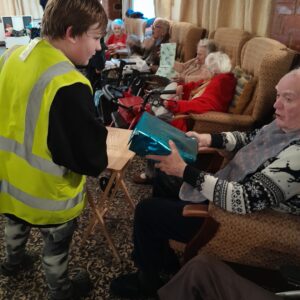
[{"x": 151, "y": 136}]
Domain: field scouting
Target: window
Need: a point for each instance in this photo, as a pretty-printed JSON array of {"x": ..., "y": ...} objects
[{"x": 144, "y": 6}]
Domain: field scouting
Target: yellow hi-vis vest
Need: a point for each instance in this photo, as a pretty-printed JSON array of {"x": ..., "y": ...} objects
[{"x": 32, "y": 186}]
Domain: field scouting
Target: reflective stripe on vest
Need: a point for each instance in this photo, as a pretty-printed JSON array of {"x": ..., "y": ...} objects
[
  {"x": 33, "y": 108},
  {"x": 7, "y": 54},
  {"x": 38, "y": 203}
]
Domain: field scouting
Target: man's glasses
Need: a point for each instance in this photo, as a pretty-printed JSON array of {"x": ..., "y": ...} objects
[{"x": 156, "y": 26}]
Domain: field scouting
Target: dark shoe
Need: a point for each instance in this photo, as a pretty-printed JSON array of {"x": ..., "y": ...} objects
[
  {"x": 26, "y": 264},
  {"x": 80, "y": 288},
  {"x": 103, "y": 182},
  {"x": 131, "y": 286},
  {"x": 142, "y": 179},
  {"x": 82, "y": 284}
]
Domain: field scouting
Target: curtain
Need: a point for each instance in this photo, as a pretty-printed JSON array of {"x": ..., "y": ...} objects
[
  {"x": 164, "y": 8},
  {"x": 21, "y": 7},
  {"x": 125, "y": 5},
  {"x": 250, "y": 15}
]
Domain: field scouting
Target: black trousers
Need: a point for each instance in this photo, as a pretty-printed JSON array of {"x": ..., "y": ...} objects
[{"x": 158, "y": 219}]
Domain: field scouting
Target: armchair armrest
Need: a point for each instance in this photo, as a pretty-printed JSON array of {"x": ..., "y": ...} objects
[
  {"x": 218, "y": 121},
  {"x": 176, "y": 117},
  {"x": 196, "y": 210}
]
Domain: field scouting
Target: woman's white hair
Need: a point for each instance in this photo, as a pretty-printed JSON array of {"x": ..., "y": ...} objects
[{"x": 218, "y": 62}]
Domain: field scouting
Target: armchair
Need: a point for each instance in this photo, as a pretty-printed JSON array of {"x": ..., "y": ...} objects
[
  {"x": 267, "y": 60},
  {"x": 266, "y": 239},
  {"x": 186, "y": 36},
  {"x": 231, "y": 41}
]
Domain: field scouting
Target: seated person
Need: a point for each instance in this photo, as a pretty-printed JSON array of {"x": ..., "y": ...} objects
[
  {"x": 198, "y": 278},
  {"x": 151, "y": 46},
  {"x": 134, "y": 45},
  {"x": 212, "y": 95},
  {"x": 194, "y": 69},
  {"x": 206, "y": 95},
  {"x": 264, "y": 173},
  {"x": 8, "y": 30},
  {"x": 117, "y": 40},
  {"x": 96, "y": 65}
]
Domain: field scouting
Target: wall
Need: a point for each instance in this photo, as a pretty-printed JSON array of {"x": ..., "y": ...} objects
[
  {"x": 113, "y": 8},
  {"x": 285, "y": 23}
]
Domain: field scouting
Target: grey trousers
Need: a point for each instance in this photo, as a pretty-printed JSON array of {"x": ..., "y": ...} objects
[
  {"x": 205, "y": 278},
  {"x": 55, "y": 253}
]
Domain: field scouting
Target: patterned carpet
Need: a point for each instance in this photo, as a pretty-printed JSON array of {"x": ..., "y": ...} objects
[{"x": 95, "y": 255}]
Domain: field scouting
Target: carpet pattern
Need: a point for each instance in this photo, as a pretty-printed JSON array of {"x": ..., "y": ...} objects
[{"x": 95, "y": 255}]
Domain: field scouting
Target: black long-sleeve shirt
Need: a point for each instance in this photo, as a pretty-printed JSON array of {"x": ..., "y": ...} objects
[{"x": 76, "y": 138}]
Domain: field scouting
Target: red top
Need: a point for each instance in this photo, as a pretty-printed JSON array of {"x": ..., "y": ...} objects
[
  {"x": 113, "y": 39},
  {"x": 216, "y": 97}
]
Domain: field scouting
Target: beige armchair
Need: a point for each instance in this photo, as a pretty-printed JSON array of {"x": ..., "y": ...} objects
[
  {"x": 231, "y": 41},
  {"x": 135, "y": 26},
  {"x": 186, "y": 36},
  {"x": 267, "y": 60}
]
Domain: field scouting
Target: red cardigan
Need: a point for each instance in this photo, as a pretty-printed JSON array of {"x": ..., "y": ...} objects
[
  {"x": 216, "y": 97},
  {"x": 113, "y": 39}
]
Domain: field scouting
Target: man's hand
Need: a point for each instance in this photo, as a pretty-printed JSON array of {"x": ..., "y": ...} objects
[
  {"x": 171, "y": 164},
  {"x": 204, "y": 139}
]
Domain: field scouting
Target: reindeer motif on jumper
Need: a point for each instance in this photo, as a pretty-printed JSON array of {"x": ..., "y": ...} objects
[
  {"x": 284, "y": 171},
  {"x": 294, "y": 174}
]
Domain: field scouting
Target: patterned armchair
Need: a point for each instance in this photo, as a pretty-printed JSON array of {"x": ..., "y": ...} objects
[{"x": 266, "y": 239}]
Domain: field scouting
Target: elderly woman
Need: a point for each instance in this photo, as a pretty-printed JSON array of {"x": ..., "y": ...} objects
[
  {"x": 117, "y": 40},
  {"x": 194, "y": 69},
  {"x": 206, "y": 95},
  {"x": 263, "y": 174},
  {"x": 151, "y": 46}
]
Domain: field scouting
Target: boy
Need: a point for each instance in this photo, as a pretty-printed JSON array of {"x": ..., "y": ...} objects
[{"x": 51, "y": 141}]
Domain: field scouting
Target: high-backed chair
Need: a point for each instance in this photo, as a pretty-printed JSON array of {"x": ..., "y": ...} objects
[
  {"x": 266, "y": 239},
  {"x": 135, "y": 26},
  {"x": 267, "y": 61},
  {"x": 231, "y": 41},
  {"x": 186, "y": 36}
]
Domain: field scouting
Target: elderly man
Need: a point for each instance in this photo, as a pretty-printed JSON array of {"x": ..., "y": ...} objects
[{"x": 264, "y": 173}]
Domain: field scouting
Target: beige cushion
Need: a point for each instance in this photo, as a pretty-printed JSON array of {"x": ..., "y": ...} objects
[{"x": 243, "y": 91}]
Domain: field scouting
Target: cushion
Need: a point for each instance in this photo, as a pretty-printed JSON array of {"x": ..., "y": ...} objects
[{"x": 243, "y": 91}]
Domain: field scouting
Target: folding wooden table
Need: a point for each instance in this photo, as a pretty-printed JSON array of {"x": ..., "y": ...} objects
[{"x": 118, "y": 158}]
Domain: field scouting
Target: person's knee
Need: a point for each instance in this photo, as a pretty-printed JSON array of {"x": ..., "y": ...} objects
[
  {"x": 145, "y": 208},
  {"x": 202, "y": 263}
]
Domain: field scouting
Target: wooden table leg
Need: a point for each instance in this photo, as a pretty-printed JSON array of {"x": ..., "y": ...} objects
[{"x": 98, "y": 214}]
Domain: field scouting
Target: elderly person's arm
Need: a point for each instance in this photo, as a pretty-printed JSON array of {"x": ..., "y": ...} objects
[
  {"x": 216, "y": 97},
  {"x": 269, "y": 186}
]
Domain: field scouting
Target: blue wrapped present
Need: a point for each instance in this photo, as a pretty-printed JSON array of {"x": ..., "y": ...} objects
[{"x": 151, "y": 136}]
